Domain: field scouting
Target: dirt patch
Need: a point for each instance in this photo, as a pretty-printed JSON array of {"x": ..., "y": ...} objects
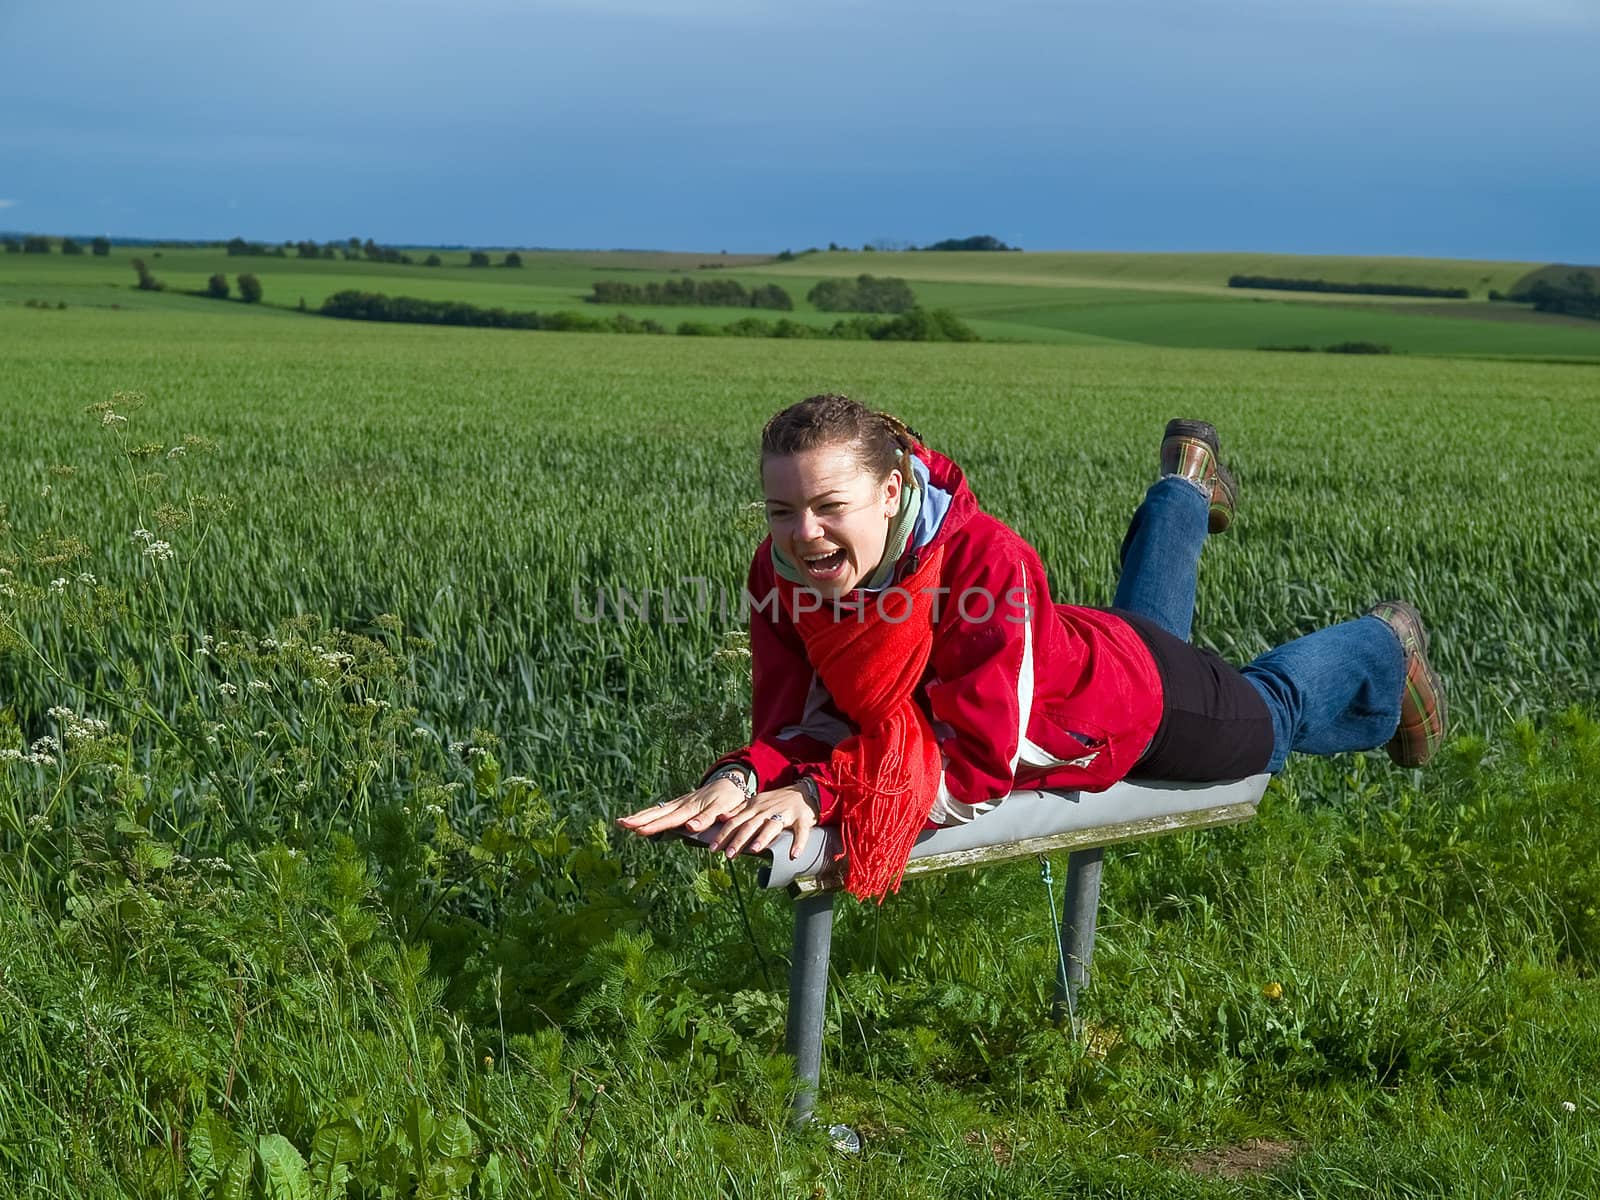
[
  {"x": 998, "y": 1148},
  {"x": 1255, "y": 1157}
]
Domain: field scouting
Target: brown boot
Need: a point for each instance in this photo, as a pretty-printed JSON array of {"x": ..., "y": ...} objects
[
  {"x": 1191, "y": 449},
  {"x": 1422, "y": 707}
]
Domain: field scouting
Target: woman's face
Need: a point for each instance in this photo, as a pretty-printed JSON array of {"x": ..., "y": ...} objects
[{"x": 829, "y": 515}]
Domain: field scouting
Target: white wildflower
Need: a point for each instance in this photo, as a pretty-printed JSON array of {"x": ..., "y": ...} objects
[
  {"x": 260, "y": 685},
  {"x": 434, "y": 810},
  {"x": 261, "y": 735},
  {"x": 45, "y": 491},
  {"x": 476, "y": 752},
  {"x": 1568, "y": 1106},
  {"x": 301, "y": 788},
  {"x": 160, "y": 551},
  {"x": 175, "y": 452},
  {"x": 457, "y": 747},
  {"x": 10, "y": 754},
  {"x": 58, "y": 585},
  {"x": 40, "y": 823},
  {"x": 142, "y": 535},
  {"x": 228, "y": 689},
  {"x": 60, "y": 712},
  {"x": 211, "y": 739},
  {"x": 112, "y": 418},
  {"x": 518, "y": 781},
  {"x": 45, "y": 743},
  {"x": 420, "y": 732},
  {"x": 87, "y": 579},
  {"x": 269, "y": 643},
  {"x": 41, "y": 760}
]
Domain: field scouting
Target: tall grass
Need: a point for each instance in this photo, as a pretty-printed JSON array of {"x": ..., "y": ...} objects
[{"x": 303, "y": 853}]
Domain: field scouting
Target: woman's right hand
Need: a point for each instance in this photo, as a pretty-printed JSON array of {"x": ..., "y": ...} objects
[{"x": 693, "y": 810}]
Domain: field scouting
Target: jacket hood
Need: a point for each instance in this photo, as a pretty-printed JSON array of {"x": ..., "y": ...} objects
[{"x": 949, "y": 504}]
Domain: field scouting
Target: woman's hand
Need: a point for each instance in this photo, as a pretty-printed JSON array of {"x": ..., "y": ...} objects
[
  {"x": 753, "y": 825},
  {"x": 694, "y": 810},
  {"x": 749, "y": 825}
]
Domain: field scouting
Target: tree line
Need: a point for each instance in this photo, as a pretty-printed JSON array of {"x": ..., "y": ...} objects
[
  {"x": 33, "y": 243},
  {"x": 1278, "y": 284},
  {"x": 709, "y": 293},
  {"x": 919, "y": 325},
  {"x": 864, "y": 293},
  {"x": 1574, "y": 296}
]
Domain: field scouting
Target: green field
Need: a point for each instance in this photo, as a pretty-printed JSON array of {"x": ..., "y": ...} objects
[
  {"x": 335, "y": 878},
  {"x": 1175, "y": 300}
]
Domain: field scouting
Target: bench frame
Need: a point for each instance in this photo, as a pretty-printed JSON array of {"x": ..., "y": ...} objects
[{"x": 1080, "y": 904}]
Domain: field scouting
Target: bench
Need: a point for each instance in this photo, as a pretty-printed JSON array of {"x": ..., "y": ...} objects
[{"x": 1025, "y": 824}]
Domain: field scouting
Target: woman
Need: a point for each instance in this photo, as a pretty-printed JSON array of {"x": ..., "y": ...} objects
[{"x": 910, "y": 669}]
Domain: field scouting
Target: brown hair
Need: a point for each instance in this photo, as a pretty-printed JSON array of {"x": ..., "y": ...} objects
[{"x": 880, "y": 442}]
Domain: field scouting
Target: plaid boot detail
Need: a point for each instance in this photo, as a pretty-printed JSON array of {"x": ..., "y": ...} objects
[
  {"x": 1191, "y": 449},
  {"x": 1422, "y": 704}
]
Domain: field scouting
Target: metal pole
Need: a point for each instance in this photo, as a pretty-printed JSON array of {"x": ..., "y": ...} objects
[
  {"x": 1080, "y": 906},
  {"x": 808, "y": 995}
]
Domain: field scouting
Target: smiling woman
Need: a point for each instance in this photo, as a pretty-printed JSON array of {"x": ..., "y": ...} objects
[{"x": 910, "y": 668}]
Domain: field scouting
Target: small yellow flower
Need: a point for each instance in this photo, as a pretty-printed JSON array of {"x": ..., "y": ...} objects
[
  {"x": 488, "y": 1062},
  {"x": 1273, "y": 991}
]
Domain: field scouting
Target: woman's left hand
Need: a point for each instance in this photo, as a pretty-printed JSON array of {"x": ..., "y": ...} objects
[{"x": 753, "y": 827}]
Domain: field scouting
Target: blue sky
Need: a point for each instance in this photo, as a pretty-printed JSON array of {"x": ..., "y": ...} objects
[{"x": 1463, "y": 128}]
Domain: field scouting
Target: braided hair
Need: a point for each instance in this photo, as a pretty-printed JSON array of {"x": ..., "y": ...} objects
[{"x": 880, "y": 442}]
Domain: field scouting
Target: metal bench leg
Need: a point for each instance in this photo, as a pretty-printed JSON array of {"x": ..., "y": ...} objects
[
  {"x": 808, "y": 995},
  {"x": 1080, "y": 907}
]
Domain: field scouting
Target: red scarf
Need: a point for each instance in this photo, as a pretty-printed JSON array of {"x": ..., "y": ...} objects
[{"x": 887, "y": 775}]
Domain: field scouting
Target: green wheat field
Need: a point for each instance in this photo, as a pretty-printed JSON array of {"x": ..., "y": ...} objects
[{"x": 309, "y": 742}]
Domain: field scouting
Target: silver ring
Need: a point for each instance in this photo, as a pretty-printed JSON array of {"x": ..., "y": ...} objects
[
  {"x": 775, "y": 817},
  {"x": 662, "y": 803}
]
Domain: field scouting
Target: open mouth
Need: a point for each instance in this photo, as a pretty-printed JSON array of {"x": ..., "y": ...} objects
[{"x": 824, "y": 567}]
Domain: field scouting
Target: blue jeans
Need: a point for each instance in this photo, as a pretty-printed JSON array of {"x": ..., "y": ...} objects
[{"x": 1330, "y": 691}]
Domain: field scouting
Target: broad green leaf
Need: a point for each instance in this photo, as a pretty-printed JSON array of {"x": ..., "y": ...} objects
[
  {"x": 447, "y": 1177},
  {"x": 211, "y": 1145},
  {"x": 419, "y": 1129},
  {"x": 454, "y": 1138},
  {"x": 333, "y": 1149},
  {"x": 153, "y": 855},
  {"x": 235, "y": 1181},
  {"x": 492, "y": 1179},
  {"x": 283, "y": 1170}
]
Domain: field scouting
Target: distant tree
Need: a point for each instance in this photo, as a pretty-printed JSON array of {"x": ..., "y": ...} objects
[
  {"x": 786, "y": 256},
  {"x": 513, "y": 259},
  {"x": 217, "y": 287},
  {"x": 433, "y": 260},
  {"x": 12, "y": 246},
  {"x": 308, "y": 249},
  {"x": 249, "y": 289},
  {"x": 980, "y": 242},
  {"x": 147, "y": 281},
  {"x": 239, "y": 248},
  {"x": 101, "y": 247},
  {"x": 865, "y": 293},
  {"x": 69, "y": 246},
  {"x": 34, "y": 244},
  {"x": 834, "y": 246},
  {"x": 477, "y": 259}
]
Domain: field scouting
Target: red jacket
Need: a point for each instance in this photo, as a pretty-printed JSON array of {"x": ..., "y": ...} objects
[{"x": 1021, "y": 692}]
